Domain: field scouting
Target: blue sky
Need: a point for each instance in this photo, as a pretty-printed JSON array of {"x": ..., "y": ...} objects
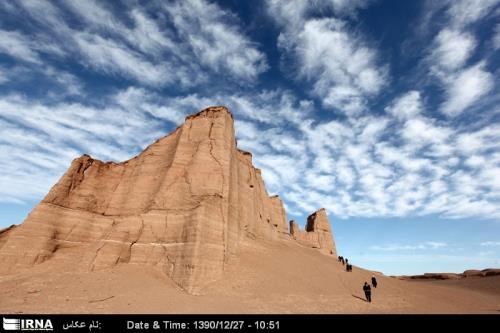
[{"x": 386, "y": 113}]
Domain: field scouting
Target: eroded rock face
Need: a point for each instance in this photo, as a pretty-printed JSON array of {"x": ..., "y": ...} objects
[
  {"x": 183, "y": 204},
  {"x": 317, "y": 233},
  {"x": 4, "y": 234}
]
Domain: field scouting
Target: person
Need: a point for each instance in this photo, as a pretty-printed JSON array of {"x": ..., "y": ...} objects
[
  {"x": 368, "y": 292},
  {"x": 347, "y": 261},
  {"x": 340, "y": 258},
  {"x": 343, "y": 262},
  {"x": 374, "y": 281}
]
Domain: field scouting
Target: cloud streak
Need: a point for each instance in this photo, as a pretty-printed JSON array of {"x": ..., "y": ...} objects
[
  {"x": 194, "y": 39},
  {"x": 343, "y": 70},
  {"x": 452, "y": 52}
]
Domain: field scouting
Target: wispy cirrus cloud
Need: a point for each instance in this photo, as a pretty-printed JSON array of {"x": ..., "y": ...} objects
[
  {"x": 342, "y": 68},
  {"x": 217, "y": 44},
  {"x": 42, "y": 139},
  {"x": 167, "y": 52},
  {"x": 465, "y": 12},
  {"x": 452, "y": 51},
  {"x": 18, "y": 46},
  {"x": 396, "y": 158}
]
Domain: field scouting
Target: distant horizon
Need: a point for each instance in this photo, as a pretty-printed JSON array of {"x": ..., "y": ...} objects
[{"x": 384, "y": 112}]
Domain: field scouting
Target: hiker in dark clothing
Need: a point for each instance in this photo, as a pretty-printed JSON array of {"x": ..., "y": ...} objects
[
  {"x": 347, "y": 261},
  {"x": 340, "y": 258},
  {"x": 374, "y": 281},
  {"x": 343, "y": 262},
  {"x": 368, "y": 292}
]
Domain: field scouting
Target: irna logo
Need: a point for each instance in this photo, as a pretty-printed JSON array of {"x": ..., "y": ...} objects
[{"x": 15, "y": 324}]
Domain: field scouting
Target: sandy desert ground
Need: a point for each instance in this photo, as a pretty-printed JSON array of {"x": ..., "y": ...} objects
[{"x": 266, "y": 277}]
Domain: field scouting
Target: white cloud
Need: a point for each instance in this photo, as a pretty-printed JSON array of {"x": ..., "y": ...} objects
[
  {"x": 67, "y": 81},
  {"x": 464, "y": 12},
  {"x": 343, "y": 70},
  {"x": 475, "y": 161},
  {"x": 96, "y": 14},
  {"x": 44, "y": 12},
  {"x": 437, "y": 245},
  {"x": 57, "y": 83},
  {"x": 41, "y": 140},
  {"x": 138, "y": 99},
  {"x": 152, "y": 50},
  {"x": 467, "y": 87},
  {"x": 294, "y": 12},
  {"x": 479, "y": 141},
  {"x": 216, "y": 42},
  {"x": 421, "y": 132},
  {"x": 18, "y": 46},
  {"x": 459, "y": 14},
  {"x": 145, "y": 34},
  {"x": 320, "y": 182},
  {"x": 112, "y": 57},
  {"x": 290, "y": 12},
  {"x": 490, "y": 243},
  {"x": 453, "y": 48},
  {"x": 348, "y": 7},
  {"x": 406, "y": 106}
]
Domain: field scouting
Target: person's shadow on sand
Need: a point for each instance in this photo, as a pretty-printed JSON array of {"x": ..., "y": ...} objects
[{"x": 364, "y": 300}]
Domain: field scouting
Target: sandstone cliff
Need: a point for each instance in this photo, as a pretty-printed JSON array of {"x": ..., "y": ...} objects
[
  {"x": 317, "y": 233},
  {"x": 183, "y": 204}
]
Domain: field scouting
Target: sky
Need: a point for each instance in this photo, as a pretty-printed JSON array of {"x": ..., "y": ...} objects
[{"x": 386, "y": 113}]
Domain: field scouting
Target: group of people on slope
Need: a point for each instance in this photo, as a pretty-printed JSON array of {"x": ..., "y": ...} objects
[
  {"x": 345, "y": 262},
  {"x": 366, "y": 287}
]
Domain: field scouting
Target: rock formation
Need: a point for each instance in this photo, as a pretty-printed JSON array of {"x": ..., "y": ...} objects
[
  {"x": 183, "y": 204},
  {"x": 317, "y": 233}
]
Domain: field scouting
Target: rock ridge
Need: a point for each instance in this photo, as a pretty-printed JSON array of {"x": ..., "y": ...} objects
[{"x": 183, "y": 204}]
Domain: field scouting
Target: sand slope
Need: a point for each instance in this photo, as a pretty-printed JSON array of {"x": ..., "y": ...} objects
[{"x": 265, "y": 277}]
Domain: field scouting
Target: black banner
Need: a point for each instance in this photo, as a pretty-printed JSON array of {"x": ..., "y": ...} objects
[{"x": 234, "y": 323}]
